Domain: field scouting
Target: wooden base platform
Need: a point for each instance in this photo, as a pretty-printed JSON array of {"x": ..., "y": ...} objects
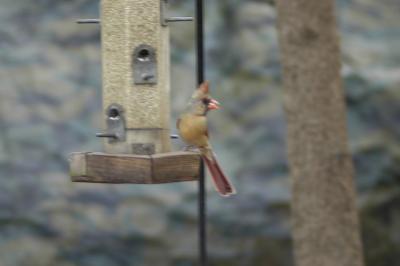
[{"x": 95, "y": 167}]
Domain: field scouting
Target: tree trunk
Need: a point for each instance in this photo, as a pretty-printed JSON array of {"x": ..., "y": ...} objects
[{"x": 325, "y": 221}]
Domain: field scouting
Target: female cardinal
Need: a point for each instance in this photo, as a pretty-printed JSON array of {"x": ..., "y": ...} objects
[{"x": 192, "y": 126}]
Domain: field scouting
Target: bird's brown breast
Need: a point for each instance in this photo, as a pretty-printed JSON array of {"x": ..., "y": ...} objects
[{"x": 193, "y": 129}]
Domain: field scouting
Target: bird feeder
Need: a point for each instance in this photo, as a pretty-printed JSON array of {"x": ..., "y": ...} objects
[{"x": 136, "y": 105}]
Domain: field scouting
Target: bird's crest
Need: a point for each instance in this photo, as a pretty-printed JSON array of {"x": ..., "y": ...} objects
[
  {"x": 204, "y": 87},
  {"x": 202, "y": 91}
]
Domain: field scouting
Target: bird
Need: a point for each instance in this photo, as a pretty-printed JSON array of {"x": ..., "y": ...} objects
[{"x": 192, "y": 127}]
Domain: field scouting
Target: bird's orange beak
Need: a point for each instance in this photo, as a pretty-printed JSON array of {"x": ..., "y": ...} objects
[{"x": 213, "y": 105}]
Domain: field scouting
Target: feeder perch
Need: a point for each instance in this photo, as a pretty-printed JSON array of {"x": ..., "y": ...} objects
[
  {"x": 136, "y": 106},
  {"x": 139, "y": 169}
]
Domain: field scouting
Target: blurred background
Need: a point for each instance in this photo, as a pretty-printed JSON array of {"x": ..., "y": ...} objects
[{"x": 50, "y": 106}]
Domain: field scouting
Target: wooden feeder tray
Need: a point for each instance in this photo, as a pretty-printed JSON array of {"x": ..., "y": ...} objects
[{"x": 96, "y": 167}]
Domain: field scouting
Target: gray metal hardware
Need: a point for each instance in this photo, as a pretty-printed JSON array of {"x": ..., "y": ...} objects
[
  {"x": 115, "y": 124},
  {"x": 106, "y": 135},
  {"x": 88, "y": 21},
  {"x": 165, "y": 19},
  {"x": 178, "y": 19},
  {"x": 143, "y": 148},
  {"x": 144, "y": 65}
]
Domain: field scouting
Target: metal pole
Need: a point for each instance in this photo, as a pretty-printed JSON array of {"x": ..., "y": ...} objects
[{"x": 202, "y": 182}]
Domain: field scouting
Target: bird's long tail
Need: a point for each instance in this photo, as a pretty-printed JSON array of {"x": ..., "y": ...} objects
[{"x": 221, "y": 182}]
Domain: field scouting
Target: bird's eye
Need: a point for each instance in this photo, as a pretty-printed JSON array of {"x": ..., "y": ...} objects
[{"x": 206, "y": 101}]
